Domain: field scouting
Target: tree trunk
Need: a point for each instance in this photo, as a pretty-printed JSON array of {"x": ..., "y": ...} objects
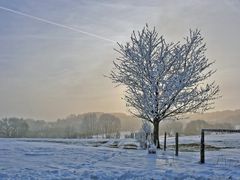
[{"x": 156, "y": 134}]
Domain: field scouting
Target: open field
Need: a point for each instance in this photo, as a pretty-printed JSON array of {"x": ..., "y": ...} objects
[{"x": 94, "y": 159}]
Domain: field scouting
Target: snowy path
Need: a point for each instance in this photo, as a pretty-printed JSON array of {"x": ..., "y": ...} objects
[{"x": 48, "y": 160}]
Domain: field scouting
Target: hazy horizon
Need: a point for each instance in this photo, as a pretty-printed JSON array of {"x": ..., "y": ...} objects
[{"x": 53, "y": 66}]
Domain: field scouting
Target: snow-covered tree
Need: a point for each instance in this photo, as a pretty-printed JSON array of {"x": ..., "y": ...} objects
[
  {"x": 164, "y": 80},
  {"x": 146, "y": 127}
]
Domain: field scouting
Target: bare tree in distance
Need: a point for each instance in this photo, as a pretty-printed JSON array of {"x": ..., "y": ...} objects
[{"x": 164, "y": 80}]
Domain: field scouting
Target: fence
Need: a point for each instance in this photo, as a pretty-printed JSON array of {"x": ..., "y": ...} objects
[
  {"x": 176, "y": 143},
  {"x": 202, "y": 146}
]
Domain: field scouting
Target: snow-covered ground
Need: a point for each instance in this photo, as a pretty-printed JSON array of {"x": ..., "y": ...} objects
[{"x": 78, "y": 159}]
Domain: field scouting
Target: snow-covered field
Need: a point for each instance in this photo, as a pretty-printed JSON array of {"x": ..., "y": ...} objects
[{"x": 79, "y": 159}]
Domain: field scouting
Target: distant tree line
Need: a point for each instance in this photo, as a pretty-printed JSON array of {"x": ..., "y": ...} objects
[
  {"x": 74, "y": 126},
  {"x": 191, "y": 128},
  {"x": 13, "y": 127},
  {"x": 92, "y": 124}
]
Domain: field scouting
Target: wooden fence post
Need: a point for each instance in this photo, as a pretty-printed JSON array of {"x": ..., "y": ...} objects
[
  {"x": 165, "y": 141},
  {"x": 202, "y": 148},
  {"x": 176, "y": 144}
]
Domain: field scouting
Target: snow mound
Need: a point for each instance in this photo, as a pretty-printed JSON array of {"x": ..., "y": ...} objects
[{"x": 129, "y": 144}]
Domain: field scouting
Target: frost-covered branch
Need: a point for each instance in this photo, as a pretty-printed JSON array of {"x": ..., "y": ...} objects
[{"x": 164, "y": 79}]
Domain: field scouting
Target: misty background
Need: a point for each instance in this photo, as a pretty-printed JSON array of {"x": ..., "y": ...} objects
[
  {"x": 48, "y": 72},
  {"x": 105, "y": 125}
]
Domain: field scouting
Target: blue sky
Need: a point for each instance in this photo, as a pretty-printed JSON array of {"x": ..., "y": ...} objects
[{"x": 48, "y": 72}]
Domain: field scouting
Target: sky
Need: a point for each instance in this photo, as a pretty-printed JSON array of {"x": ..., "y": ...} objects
[{"x": 54, "y": 53}]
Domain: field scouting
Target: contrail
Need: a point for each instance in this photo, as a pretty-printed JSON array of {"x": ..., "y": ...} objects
[{"x": 56, "y": 24}]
